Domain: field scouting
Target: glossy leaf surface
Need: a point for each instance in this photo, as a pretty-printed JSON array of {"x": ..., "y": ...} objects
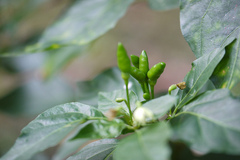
[
  {"x": 49, "y": 128},
  {"x": 102, "y": 129},
  {"x": 68, "y": 148},
  {"x": 160, "y": 106},
  {"x": 211, "y": 123},
  {"x": 206, "y": 25},
  {"x": 97, "y": 150},
  {"x": 107, "y": 100},
  {"x": 202, "y": 69},
  {"x": 149, "y": 143}
]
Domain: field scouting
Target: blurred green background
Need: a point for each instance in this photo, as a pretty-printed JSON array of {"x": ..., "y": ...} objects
[{"x": 31, "y": 83}]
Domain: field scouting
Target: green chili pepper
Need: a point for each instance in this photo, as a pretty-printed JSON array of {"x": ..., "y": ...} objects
[
  {"x": 171, "y": 88},
  {"x": 135, "y": 60},
  {"x": 124, "y": 63},
  {"x": 146, "y": 96},
  {"x": 155, "y": 72},
  {"x": 119, "y": 100},
  {"x": 125, "y": 76},
  {"x": 143, "y": 62},
  {"x": 137, "y": 74}
]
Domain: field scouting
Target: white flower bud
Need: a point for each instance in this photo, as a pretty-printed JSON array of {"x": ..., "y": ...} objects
[{"x": 141, "y": 115}]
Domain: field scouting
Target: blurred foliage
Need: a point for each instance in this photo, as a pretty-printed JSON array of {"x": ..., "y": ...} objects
[
  {"x": 163, "y": 5},
  {"x": 61, "y": 30},
  {"x": 36, "y": 96},
  {"x": 20, "y": 24}
]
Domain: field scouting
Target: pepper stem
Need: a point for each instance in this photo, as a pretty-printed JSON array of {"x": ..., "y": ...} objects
[
  {"x": 142, "y": 86},
  {"x": 128, "y": 99},
  {"x": 146, "y": 87},
  {"x": 152, "y": 91}
]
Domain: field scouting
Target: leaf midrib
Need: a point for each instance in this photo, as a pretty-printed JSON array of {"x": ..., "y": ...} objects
[
  {"x": 101, "y": 151},
  {"x": 202, "y": 27},
  {"x": 196, "y": 82}
]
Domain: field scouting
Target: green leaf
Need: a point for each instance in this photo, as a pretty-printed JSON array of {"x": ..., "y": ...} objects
[
  {"x": 107, "y": 81},
  {"x": 206, "y": 25},
  {"x": 149, "y": 143},
  {"x": 97, "y": 150},
  {"x": 202, "y": 69},
  {"x": 107, "y": 100},
  {"x": 227, "y": 73},
  {"x": 84, "y": 22},
  {"x": 211, "y": 123},
  {"x": 35, "y": 96},
  {"x": 67, "y": 148},
  {"x": 160, "y": 106},
  {"x": 102, "y": 129},
  {"x": 163, "y": 5},
  {"x": 49, "y": 128}
]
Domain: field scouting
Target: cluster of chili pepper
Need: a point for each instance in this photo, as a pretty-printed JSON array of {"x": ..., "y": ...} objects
[{"x": 140, "y": 70}]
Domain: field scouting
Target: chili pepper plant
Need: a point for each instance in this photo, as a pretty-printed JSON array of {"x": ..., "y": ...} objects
[{"x": 198, "y": 116}]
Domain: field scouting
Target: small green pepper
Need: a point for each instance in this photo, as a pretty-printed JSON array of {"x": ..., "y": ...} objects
[
  {"x": 137, "y": 74},
  {"x": 143, "y": 62},
  {"x": 124, "y": 63},
  {"x": 155, "y": 72},
  {"x": 146, "y": 96},
  {"x": 171, "y": 88},
  {"x": 135, "y": 60},
  {"x": 119, "y": 100}
]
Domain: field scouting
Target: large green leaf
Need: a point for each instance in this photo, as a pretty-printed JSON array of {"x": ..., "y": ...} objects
[
  {"x": 160, "y": 106},
  {"x": 149, "y": 143},
  {"x": 107, "y": 81},
  {"x": 211, "y": 123},
  {"x": 227, "y": 73},
  {"x": 163, "y": 5},
  {"x": 207, "y": 24},
  {"x": 202, "y": 69},
  {"x": 35, "y": 96},
  {"x": 107, "y": 100},
  {"x": 102, "y": 129},
  {"x": 83, "y": 22},
  {"x": 49, "y": 128},
  {"x": 97, "y": 150},
  {"x": 68, "y": 148}
]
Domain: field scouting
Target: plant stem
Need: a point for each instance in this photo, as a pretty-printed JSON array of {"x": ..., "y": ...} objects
[
  {"x": 152, "y": 91},
  {"x": 128, "y": 100},
  {"x": 146, "y": 87},
  {"x": 175, "y": 111},
  {"x": 142, "y": 86},
  {"x": 97, "y": 118}
]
